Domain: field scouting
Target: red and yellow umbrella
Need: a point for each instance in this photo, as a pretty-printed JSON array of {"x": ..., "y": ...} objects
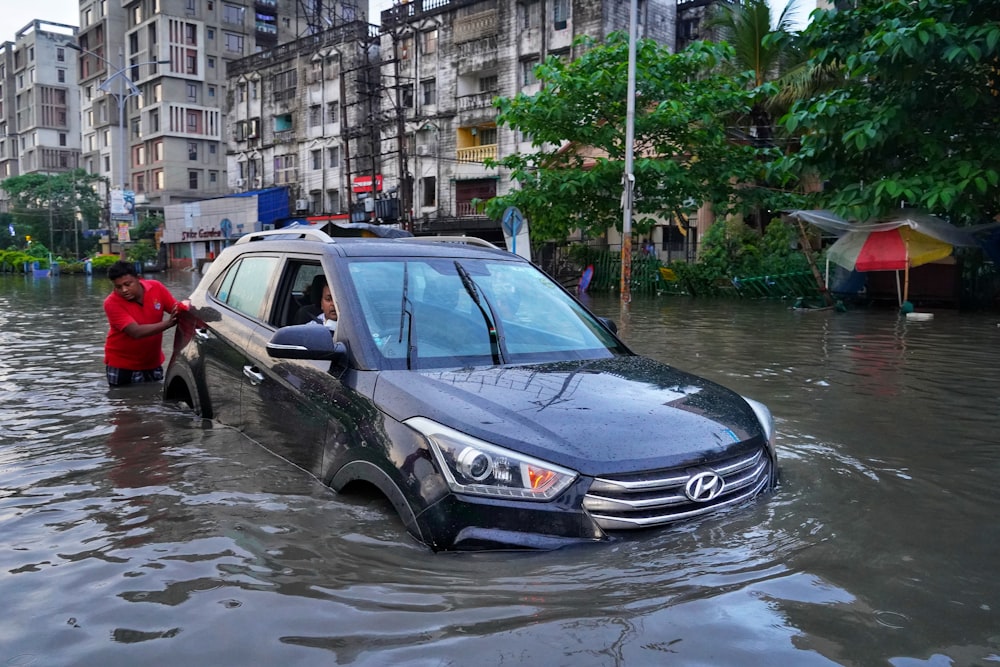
[{"x": 894, "y": 249}]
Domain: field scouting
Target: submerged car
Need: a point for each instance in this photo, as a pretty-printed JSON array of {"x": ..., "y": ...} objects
[{"x": 488, "y": 405}]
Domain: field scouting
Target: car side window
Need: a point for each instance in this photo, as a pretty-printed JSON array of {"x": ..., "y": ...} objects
[
  {"x": 244, "y": 287},
  {"x": 295, "y": 293}
]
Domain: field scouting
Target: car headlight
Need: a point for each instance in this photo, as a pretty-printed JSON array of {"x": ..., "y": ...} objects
[{"x": 476, "y": 467}]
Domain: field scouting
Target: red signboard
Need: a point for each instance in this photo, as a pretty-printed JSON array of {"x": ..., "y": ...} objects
[{"x": 364, "y": 183}]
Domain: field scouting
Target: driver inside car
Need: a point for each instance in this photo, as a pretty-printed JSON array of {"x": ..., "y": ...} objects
[{"x": 322, "y": 310}]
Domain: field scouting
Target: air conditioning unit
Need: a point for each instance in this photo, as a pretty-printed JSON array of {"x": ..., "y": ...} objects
[
  {"x": 266, "y": 226},
  {"x": 258, "y": 181},
  {"x": 241, "y": 182},
  {"x": 301, "y": 204},
  {"x": 423, "y": 149}
]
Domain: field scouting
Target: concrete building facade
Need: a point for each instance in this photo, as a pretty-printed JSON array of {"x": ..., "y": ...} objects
[
  {"x": 169, "y": 145},
  {"x": 445, "y": 62},
  {"x": 39, "y": 118},
  {"x": 299, "y": 118}
]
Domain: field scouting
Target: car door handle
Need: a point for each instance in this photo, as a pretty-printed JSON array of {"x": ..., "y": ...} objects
[
  {"x": 202, "y": 334},
  {"x": 256, "y": 377}
]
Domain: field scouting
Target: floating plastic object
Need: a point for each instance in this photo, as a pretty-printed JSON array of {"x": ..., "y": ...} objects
[{"x": 920, "y": 317}]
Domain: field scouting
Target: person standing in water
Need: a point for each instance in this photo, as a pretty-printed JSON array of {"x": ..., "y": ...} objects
[{"x": 138, "y": 312}]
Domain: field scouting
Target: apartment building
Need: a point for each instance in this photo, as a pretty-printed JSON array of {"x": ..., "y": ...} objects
[
  {"x": 39, "y": 108},
  {"x": 8, "y": 123},
  {"x": 153, "y": 84},
  {"x": 300, "y": 118},
  {"x": 445, "y": 62}
]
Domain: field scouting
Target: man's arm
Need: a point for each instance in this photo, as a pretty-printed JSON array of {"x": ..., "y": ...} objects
[{"x": 136, "y": 330}]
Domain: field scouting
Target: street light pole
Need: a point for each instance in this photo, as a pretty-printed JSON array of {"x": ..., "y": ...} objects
[{"x": 126, "y": 89}]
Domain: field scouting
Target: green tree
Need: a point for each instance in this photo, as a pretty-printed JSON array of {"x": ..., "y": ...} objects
[
  {"x": 683, "y": 150},
  {"x": 45, "y": 207},
  {"x": 914, "y": 117}
]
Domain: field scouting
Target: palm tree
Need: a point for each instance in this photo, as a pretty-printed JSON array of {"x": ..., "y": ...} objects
[{"x": 768, "y": 50}]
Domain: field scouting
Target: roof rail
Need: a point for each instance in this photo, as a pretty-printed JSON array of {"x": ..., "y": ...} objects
[
  {"x": 470, "y": 240},
  {"x": 302, "y": 233}
]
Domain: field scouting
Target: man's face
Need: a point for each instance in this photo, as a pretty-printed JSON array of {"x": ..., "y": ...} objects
[
  {"x": 326, "y": 303},
  {"x": 128, "y": 287}
]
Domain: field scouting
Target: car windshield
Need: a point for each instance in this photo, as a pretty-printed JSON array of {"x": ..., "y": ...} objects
[{"x": 436, "y": 313}]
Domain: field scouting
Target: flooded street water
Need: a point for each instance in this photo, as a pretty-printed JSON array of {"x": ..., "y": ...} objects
[{"x": 132, "y": 532}]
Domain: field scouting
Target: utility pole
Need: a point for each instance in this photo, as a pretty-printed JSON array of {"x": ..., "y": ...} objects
[{"x": 628, "y": 179}]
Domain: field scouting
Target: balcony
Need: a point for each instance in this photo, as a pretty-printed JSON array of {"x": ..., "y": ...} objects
[
  {"x": 476, "y": 101},
  {"x": 476, "y": 153}
]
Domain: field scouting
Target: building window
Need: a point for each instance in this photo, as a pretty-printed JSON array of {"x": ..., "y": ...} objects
[
  {"x": 285, "y": 169},
  {"x": 531, "y": 14},
  {"x": 488, "y": 84},
  {"x": 333, "y": 197},
  {"x": 487, "y": 136},
  {"x": 241, "y": 92},
  {"x": 211, "y": 62},
  {"x": 528, "y": 72},
  {"x": 407, "y": 95},
  {"x": 191, "y": 64},
  {"x": 140, "y": 156},
  {"x": 333, "y": 156},
  {"x": 233, "y": 42},
  {"x": 61, "y": 75},
  {"x": 62, "y": 138},
  {"x": 212, "y": 149},
  {"x": 430, "y": 191},
  {"x": 192, "y": 150},
  {"x": 211, "y": 91},
  {"x": 283, "y": 122},
  {"x": 560, "y": 14},
  {"x": 317, "y": 159},
  {"x": 315, "y": 115},
  {"x": 331, "y": 112},
  {"x": 192, "y": 121},
  {"x": 429, "y": 41},
  {"x": 284, "y": 84},
  {"x": 428, "y": 91},
  {"x": 213, "y": 177},
  {"x": 232, "y": 13},
  {"x": 192, "y": 92},
  {"x": 210, "y": 33},
  {"x": 193, "y": 180}
]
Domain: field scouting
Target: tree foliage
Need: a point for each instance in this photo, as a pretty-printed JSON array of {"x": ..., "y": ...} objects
[
  {"x": 684, "y": 153},
  {"x": 47, "y": 205},
  {"x": 914, "y": 117}
]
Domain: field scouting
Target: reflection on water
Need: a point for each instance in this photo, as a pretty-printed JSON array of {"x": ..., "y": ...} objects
[{"x": 136, "y": 532}]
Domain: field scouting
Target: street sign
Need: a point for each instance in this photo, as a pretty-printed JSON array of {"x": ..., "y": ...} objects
[{"x": 515, "y": 232}]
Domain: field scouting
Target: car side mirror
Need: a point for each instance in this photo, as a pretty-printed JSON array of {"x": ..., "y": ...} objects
[
  {"x": 609, "y": 323},
  {"x": 305, "y": 341}
]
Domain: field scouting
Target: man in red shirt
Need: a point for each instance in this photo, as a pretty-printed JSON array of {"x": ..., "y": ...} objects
[{"x": 136, "y": 309}]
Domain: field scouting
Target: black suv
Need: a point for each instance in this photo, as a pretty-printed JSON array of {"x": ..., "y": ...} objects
[{"x": 486, "y": 403}]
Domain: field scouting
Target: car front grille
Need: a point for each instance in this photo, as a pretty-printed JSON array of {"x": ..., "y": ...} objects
[{"x": 653, "y": 498}]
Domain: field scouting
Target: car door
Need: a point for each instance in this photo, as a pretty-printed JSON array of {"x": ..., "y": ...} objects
[
  {"x": 236, "y": 304},
  {"x": 282, "y": 399}
]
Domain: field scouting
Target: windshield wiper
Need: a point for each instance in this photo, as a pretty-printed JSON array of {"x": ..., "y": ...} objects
[
  {"x": 498, "y": 342},
  {"x": 406, "y": 311}
]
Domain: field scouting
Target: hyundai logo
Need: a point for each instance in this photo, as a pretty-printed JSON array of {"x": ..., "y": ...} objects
[{"x": 704, "y": 486}]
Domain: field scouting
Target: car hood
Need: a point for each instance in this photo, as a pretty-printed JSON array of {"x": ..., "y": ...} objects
[{"x": 598, "y": 417}]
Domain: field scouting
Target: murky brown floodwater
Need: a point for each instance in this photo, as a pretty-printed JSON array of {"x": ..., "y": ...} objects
[{"x": 133, "y": 533}]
